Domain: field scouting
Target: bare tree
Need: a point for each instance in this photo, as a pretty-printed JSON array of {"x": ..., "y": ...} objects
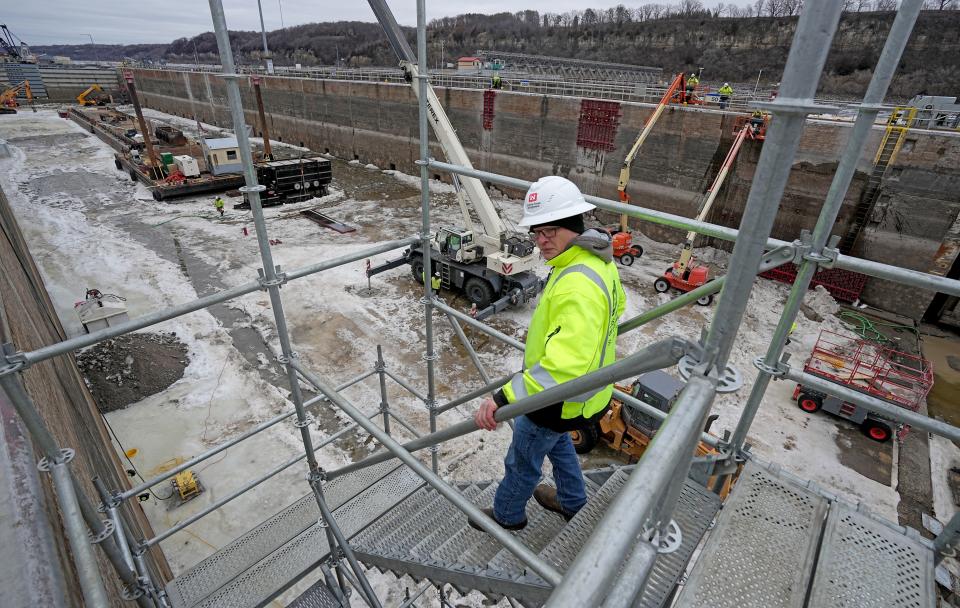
[
  {"x": 885, "y": 5},
  {"x": 940, "y": 5}
]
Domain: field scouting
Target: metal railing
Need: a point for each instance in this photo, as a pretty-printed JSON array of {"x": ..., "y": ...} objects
[{"x": 651, "y": 491}]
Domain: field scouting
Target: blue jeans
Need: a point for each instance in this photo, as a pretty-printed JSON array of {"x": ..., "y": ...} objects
[{"x": 531, "y": 444}]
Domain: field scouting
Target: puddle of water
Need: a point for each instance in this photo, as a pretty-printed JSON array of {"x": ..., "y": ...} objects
[{"x": 944, "y": 400}]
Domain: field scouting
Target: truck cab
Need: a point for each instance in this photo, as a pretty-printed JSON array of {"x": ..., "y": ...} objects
[{"x": 457, "y": 244}]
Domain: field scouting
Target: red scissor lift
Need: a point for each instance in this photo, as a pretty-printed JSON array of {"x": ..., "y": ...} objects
[{"x": 896, "y": 377}]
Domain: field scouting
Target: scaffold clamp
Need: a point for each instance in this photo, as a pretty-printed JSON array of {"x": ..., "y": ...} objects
[{"x": 65, "y": 456}]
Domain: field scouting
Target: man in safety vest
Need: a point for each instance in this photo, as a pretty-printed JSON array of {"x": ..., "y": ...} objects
[
  {"x": 496, "y": 82},
  {"x": 218, "y": 205},
  {"x": 692, "y": 82},
  {"x": 756, "y": 121},
  {"x": 725, "y": 92},
  {"x": 572, "y": 333},
  {"x": 435, "y": 281}
]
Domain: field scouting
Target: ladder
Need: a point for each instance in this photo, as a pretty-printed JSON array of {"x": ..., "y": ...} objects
[{"x": 898, "y": 124}]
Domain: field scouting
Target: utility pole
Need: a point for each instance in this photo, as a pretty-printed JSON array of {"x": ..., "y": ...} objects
[
  {"x": 266, "y": 51},
  {"x": 758, "y": 84}
]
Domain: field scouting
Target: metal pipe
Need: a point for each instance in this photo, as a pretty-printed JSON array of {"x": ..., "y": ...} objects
[
  {"x": 633, "y": 402},
  {"x": 146, "y": 485},
  {"x": 473, "y": 512},
  {"x": 83, "y": 556},
  {"x": 480, "y": 392},
  {"x": 878, "y": 406},
  {"x": 467, "y": 345},
  {"x": 405, "y": 385},
  {"x": 252, "y": 191},
  {"x": 430, "y": 356},
  {"x": 72, "y": 344},
  {"x": 384, "y": 405},
  {"x": 109, "y": 504},
  {"x": 437, "y": 303},
  {"x": 591, "y": 574},
  {"x": 914, "y": 278},
  {"x": 654, "y": 356},
  {"x": 634, "y": 577},
  {"x": 808, "y": 53},
  {"x": 332, "y": 526},
  {"x": 249, "y": 486},
  {"x": 772, "y": 259},
  {"x": 882, "y": 75}
]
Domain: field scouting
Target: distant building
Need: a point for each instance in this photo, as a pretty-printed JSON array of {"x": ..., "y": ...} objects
[
  {"x": 222, "y": 155},
  {"x": 469, "y": 64},
  {"x": 62, "y": 60}
]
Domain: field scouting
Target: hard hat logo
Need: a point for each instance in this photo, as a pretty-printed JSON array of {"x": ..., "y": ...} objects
[{"x": 552, "y": 198}]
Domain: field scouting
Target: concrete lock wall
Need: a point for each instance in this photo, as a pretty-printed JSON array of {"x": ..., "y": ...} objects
[{"x": 529, "y": 135}]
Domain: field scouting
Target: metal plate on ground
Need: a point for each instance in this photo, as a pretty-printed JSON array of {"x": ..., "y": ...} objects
[
  {"x": 762, "y": 549},
  {"x": 867, "y": 564}
]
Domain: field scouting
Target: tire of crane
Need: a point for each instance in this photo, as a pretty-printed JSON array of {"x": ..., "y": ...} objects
[
  {"x": 876, "y": 430},
  {"x": 585, "y": 439},
  {"x": 133, "y": 175},
  {"x": 706, "y": 300},
  {"x": 416, "y": 269},
  {"x": 661, "y": 285},
  {"x": 809, "y": 403},
  {"x": 117, "y": 164},
  {"x": 626, "y": 259},
  {"x": 158, "y": 195},
  {"x": 479, "y": 291}
]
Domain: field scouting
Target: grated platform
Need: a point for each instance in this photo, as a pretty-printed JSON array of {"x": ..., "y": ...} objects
[
  {"x": 867, "y": 564},
  {"x": 762, "y": 549},
  {"x": 317, "y": 596}
]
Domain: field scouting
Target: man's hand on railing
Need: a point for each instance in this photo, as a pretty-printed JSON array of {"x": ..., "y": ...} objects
[{"x": 484, "y": 416}]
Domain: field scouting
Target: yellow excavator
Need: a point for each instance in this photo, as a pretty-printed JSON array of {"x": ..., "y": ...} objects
[
  {"x": 8, "y": 99},
  {"x": 88, "y": 98}
]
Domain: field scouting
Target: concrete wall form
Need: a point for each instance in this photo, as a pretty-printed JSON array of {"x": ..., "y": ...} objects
[{"x": 533, "y": 135}]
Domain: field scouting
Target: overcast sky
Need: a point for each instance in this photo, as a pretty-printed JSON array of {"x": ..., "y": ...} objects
[{"x": 42, "y": 22}]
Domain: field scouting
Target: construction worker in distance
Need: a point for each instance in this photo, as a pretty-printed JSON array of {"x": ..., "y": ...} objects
[
  {"x": 756, "y": 121},
  {"x": 725, "y": 92},
  {"x": 435, "y": 281},
  {"x": 218, "y": 205},
  {"x": 572, "y": 333},
  {"x": 692, "y": 82},
  {"x": 496, "y": 82}
]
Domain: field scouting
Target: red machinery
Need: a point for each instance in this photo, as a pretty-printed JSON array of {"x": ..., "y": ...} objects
[
  {"x": 896, "y": 377},
  {"x": 624, "y": 249},
  {"x": 686, "y": 274}
]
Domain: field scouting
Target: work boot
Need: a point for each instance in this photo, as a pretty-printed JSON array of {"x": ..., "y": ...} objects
[
  {"x": 546, "y": 496},
  {"x": 488, "y": 511}
]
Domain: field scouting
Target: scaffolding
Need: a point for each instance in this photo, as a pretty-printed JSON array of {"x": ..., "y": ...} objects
[{"x": 649, "y": 495}]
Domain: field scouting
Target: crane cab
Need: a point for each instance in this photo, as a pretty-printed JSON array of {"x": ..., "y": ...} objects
[{"x": 457, "y": 244}]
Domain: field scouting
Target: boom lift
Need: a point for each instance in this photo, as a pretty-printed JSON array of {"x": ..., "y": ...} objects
[
  {"x": 8, "y": 99},
  {"x": 489, "y": 263},
  {"x": 676, "y": 89},
  {"x": 685, "y": 274},
  {"x": 87, "y": 98}
]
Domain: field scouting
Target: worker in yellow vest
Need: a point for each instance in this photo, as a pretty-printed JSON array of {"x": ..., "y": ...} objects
[
  {"x": 692, "y": 82},
  {"x": 218, "y": 205},
  {"x": 725, "y": 92}
]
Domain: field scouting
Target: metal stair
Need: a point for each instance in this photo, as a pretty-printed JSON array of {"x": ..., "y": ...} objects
[
  {"x": 781, "y": 544},
  {"x": 430, "y": 539}
]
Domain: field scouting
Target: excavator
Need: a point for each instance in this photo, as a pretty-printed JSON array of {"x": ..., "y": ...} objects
[
  {"x": 685, "y": 274},
  {"x": 8, "y": 99},
  {"x": 488, "y": 262},
  {"x": 93, "y": 96}
]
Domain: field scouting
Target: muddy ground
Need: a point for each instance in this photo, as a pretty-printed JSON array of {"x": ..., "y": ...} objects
[{"x": 130, "y": 368}]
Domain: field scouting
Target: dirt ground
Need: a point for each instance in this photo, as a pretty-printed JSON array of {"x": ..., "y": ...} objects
[{"x": 129, "y": 368}]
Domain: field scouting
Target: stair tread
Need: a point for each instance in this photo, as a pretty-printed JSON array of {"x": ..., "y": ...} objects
[
  {"x": 467, "y": 539},
  {"x": 449, "y": 522}
]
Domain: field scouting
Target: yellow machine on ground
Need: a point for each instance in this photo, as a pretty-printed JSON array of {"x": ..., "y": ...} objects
[
  {"x": 8, "y": 98},
  {"x": 93, "y": 96}
]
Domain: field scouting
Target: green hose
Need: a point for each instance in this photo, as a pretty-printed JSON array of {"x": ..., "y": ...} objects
[
  {"x": 174, "y": 218},
  {"x": 866, "y": 328}
]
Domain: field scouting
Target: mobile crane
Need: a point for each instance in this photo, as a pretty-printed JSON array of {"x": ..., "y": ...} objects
[
  {"x": 489, "y": 263},
  {"x": 685, "y": 274},
  {"x": 8, "y": 98}
]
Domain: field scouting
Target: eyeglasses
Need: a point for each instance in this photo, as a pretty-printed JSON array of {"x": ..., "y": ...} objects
[{"x": 547, "y": 233}]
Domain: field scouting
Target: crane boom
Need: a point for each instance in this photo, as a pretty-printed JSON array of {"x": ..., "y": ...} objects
[
  {"x": 676, "y": 85},
  {"x": 712, "y": 192},
  {"x": 494, "y": 229}
]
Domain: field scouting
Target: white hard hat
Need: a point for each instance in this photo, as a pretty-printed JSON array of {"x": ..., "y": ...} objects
[
  {"x": 726, "y": 84},
  {"x": 552, "y": 198}
]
